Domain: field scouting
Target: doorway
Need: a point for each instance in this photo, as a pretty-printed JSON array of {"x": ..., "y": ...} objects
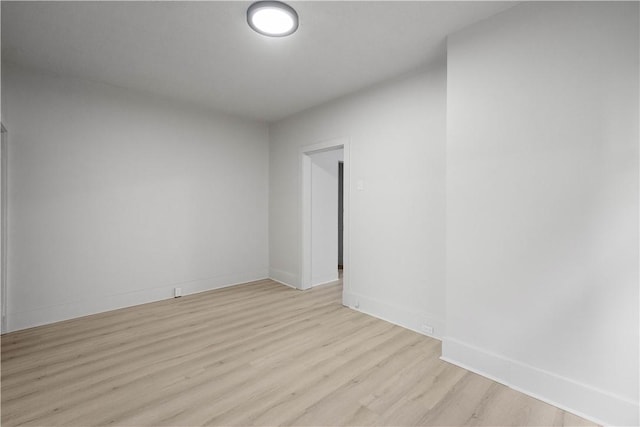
[{"x": 320, "y": 166}]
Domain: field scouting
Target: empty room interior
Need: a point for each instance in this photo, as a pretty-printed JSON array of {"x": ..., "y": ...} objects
[{"x": 320, "y": 213}]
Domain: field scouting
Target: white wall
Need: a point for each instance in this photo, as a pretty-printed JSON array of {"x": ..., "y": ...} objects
[
  {"x": 324, "y": 216},
  {"x": 542, "y": 204},
  {"x": 3, "y": 228},
  {"x": 397, "y": 148},
  {"x": 2, "y": 218},
  {"x": 116, "y": 198}
]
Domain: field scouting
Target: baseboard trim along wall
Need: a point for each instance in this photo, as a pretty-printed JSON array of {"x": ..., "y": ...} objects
[
  {"x": 400, "y": 316},
  {"x": 60, "y": 312},
  {"x": 583, "y": 400},
  {"x": 284, "y": 277},
  {"x": 326, "y": 281}
]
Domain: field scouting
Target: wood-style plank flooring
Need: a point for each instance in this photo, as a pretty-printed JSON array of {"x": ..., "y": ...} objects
[{"x": 254, "y": 354}]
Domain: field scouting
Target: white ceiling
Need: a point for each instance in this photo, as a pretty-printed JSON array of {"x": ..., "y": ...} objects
[{"x": 205, "y": 53}]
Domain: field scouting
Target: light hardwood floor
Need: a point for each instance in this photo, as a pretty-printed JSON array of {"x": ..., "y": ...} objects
[{"x": 254, "y": 354}]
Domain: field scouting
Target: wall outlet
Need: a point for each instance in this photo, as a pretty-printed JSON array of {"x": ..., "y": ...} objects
[
  {"x": 426, "y": 328},
  {"x": 177, "y": 292},
  {"x": 357, "y": 304}
]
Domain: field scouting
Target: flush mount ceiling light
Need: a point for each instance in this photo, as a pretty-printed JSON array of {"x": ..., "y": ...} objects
[{"x": 272, "y": 18}]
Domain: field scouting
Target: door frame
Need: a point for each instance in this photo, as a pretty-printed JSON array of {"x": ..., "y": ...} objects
[{"x": 305, "y": 209}]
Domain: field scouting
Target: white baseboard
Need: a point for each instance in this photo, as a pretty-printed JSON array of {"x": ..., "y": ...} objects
[
  {"x": 589, "y": 402},
  {"x": 282, "y": 283},
  {"x": 325, "y": 281},
  {"x": 283, "y": 277},
  {"x": 71, "y": 310},
  {"x": 401, "y": 316}
]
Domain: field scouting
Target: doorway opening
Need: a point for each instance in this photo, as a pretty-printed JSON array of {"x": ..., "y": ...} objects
[{"x": 325, "y": 213}]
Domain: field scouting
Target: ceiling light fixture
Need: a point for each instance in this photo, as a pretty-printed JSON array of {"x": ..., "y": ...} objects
[{"x": 272, "y": 18}]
